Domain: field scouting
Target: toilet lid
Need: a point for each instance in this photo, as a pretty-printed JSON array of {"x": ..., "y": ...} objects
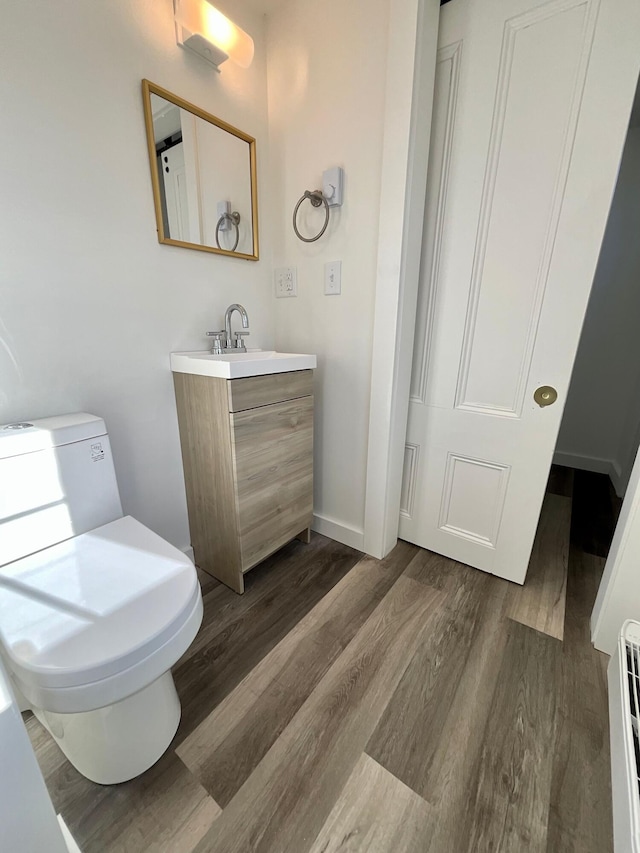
[{"x": 94, "y": 605}]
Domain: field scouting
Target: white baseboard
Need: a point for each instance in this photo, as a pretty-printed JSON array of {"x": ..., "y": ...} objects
[
  {"x": 595, "y": 464},
  {"x": 72, "y": 847},
  {"x": 620, "y": 482},
  {"x": 583, "y": 463},
  {"x": 344, "y": 533}
]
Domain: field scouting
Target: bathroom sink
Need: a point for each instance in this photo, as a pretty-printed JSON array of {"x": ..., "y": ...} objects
[{"x": 236, "y": 365}]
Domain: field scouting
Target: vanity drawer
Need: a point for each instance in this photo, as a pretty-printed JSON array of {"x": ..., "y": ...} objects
[
  {"x": 252, "y": 392},
  {"x": 273, "y": 461}
]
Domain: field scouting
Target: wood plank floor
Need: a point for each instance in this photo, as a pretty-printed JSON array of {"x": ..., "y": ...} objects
[
  {"x": 541, "y": 603},
  {"x": 410, "y": 704}
]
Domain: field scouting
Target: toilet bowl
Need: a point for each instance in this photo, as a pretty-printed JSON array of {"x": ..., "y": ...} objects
[{"x": 93, "y": 618}]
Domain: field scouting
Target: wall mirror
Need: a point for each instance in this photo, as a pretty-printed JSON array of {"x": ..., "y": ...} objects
[{"x": 203, "y": 172}]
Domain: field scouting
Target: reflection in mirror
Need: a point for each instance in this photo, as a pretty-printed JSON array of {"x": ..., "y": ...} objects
[{"x": 204, "y": 179}]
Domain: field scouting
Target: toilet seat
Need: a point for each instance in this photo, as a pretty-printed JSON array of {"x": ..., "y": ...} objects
[{"x": 88, "y": 621}]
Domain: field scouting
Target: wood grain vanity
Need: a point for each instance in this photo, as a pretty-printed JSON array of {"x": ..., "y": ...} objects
[{"x": 247, "y": 449}]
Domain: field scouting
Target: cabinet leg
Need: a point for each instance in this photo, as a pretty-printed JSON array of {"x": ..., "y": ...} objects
[
  {"x": 234, "y": 580},
  {"x": 305, "y": 536}
]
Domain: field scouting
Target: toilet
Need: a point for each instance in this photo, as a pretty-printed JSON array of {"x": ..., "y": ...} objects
[{"x": 95, "y": 608}]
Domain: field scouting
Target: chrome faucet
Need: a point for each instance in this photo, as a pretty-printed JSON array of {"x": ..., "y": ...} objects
[{"x": 235, "y": 343}]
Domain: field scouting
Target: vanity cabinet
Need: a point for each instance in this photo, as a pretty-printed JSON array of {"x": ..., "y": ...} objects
[{"x": 247, "y": 450}]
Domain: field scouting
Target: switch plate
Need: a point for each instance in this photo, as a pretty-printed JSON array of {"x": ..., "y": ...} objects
[
  {"x": 285, "y": 282},
  {"x": 333, "y": 278}
]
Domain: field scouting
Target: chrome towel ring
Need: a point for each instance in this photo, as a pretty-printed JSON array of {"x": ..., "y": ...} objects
[
  {"x": 234, "y": 219},
  {"x": 317, "y": 198}
]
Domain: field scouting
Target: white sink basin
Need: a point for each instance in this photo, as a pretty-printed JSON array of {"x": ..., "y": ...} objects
[{"x": 234, "y": 366}]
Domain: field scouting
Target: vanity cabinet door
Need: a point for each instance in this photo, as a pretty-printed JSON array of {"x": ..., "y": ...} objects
[{"x": 273, "y": 462}]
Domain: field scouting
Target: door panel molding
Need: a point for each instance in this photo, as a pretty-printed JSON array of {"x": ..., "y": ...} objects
[
  {"x": 409, "y": 476},
  {"x": 506, "y": 397},
  {"x": 473, "y": 499},
  {"x": 448, "y": 62}
]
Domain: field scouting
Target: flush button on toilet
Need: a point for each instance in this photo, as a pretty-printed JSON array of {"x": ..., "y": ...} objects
[{"x": 18, "y": 426}]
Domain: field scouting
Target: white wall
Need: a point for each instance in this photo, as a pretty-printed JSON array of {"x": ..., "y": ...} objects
[
  {"x": 327, "y": 72},
  {"x": 608, "y": 367},
  {"x": 600, "y": 425},
  {"x": 232, "y": 184},
  {"x": 618, "y": 596},
  {"x": 90, "y": 303}
]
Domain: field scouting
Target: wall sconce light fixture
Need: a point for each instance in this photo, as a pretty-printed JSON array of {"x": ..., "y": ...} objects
[{"x": 200, "y": 27}]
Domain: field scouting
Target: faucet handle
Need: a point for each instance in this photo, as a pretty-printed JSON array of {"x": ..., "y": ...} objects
[
  {"x": 216, "y": 346},
  {"x": 239, "y": 342}
]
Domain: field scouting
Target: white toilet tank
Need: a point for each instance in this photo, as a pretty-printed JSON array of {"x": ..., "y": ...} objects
[{"x": 57, "y": 480}]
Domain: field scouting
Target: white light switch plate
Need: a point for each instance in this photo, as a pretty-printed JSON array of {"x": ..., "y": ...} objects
[
  {"x": 285, "y": 282},
  {"x": 333, "y": 278}
]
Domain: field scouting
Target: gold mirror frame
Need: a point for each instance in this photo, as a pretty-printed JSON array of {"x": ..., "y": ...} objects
[{"x": 148, "y": 89}]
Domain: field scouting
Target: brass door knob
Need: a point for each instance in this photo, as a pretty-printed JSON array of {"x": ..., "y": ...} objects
[{"x": 545, "y": 395}]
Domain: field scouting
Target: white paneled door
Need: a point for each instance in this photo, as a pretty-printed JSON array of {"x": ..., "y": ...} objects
[
  {"x": 175, "y": 192},
  {"x": 531, "y": 106}
]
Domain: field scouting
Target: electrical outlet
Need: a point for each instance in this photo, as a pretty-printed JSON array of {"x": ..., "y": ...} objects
[
  {"x": 285, "y": 282},
  {"x": 333, "y": 278}
]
